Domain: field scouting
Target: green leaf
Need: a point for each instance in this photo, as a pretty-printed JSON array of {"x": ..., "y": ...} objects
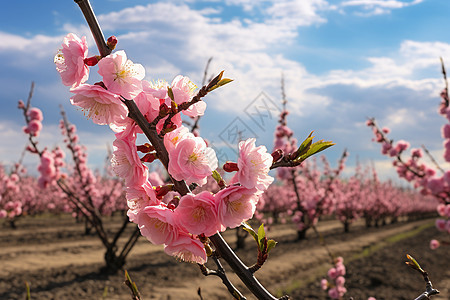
[
  {"x": 270, "y": 245},
  {"x": 250, "y": 230},
  {"x": 414, "y": 264},
  {"x": 306, "y": 144},
  {"x": 261, "y": 237},
  {"x": 314, "y": 149},
  {"x": 216, "y": 176},
  {"x": 221, "y": 82},
  {"x": 27, "y": 286},
  {"x": 170, "y": 93}
]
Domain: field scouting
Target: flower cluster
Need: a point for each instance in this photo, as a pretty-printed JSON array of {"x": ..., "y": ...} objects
[
  {"x": 34, "y": 122},
  {"x": 336, "y": 289},
  {"x": 49, "y": 167},
  {"x": 179, "y": 221},
  {"x": 431, "y": 180}
]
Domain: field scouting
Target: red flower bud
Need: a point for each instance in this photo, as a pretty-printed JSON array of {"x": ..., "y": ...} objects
[
  {"x": 173, "y": 203},
  {"x": 149, "y": 157},
  {"x": 162, "y": 190},
  {"x": 21, "y": 105},
  {"x": 230, "y": 166},
  {"x": 91, "y": 61},
  {"x": 146, "y": 148},
  {"x": 112, "y": 42},
  {"x": 277, "y": 155}
]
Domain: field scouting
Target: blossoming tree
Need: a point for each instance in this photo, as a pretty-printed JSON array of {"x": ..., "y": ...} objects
[{"x": 187, "y": 224}]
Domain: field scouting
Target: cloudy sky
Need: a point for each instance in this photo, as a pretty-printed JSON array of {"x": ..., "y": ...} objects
[{"x": 342, "y": 61}]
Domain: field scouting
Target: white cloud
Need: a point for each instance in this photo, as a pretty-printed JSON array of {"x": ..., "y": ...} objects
[{"x": 377, "y": 7}]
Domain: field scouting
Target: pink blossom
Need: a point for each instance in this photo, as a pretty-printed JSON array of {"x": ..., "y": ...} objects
[
  {"x": 187, "y": 248},
  {"x": 441, "y": 210},
  {"x": 340, "y": 269},
  {"x": 332, "y": 273},
  {"x": 183, "y": 90},
  {"x": 192, "y": 161},
  {"x": 138, "y": 197},
  {"x": 3, "y": 214},
  {"x": 324, "y": 284},
  {"x": 100, "y": 105},
  {"x": 447, "y": 150},
  {"x": 371, "y": 298},
  {"x": 441, "y": 224},
  {"x": 340, "y": 281},
  {"x": 35, "y": 114},
  {"x": 197, "y": 214},
  {"x": 127, "y": 164},
  {"x": 34, "y": 127},
  {"x": 171, "y": 139},
  {"x": 401, "y": 146},
  {"x": 333, "y": 293},
  {"x": 236, "y": 204},
  {"x": 69, "y": 60},
  {"x": 120, "y": 75},
  {"x": 254, "y": 164},
  {"x": 157, "y": 224},
  {"x": 434, "y": 244},
  {"x": 446, "y": 131}
]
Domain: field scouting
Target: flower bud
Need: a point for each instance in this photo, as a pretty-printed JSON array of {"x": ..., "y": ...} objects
[
  {"x": 92, "y": 61},
  {"x": 230, "y": 166},
  {"x": 277, "y": 155},
  {"x": 112, "y": 42}
]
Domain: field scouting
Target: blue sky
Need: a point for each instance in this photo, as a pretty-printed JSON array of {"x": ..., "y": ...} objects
[{"x": 343, "y": 61}]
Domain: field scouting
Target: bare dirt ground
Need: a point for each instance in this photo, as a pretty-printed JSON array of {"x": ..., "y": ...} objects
[{"x": 60, "y": 262}]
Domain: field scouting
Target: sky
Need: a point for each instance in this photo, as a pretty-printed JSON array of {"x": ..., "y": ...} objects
[{"x": 342, "y": 61}]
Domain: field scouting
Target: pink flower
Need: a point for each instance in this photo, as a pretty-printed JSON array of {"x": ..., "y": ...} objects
[
  {"x": 434, "y": 244},
  {"x": 236, "y": 204},
  {"x": 183, "y": 90},
  {"x": 69, "y": 60},
  {"x": 441, "y": 224},
  {"x": 35, "y": 114},
  {"x": 157, "y": 224},
  {"x": 340, "y": 269},
  {"x": 197, "y": 214},
  {"x": 332, "y": 273},
  {"x": 192, "y": 161},
  {"x": 34, "y": 127},
  {"x": 138, "y": 197},
  {"x": 340, "y": 281},
  {"x": 188, "y": 249},
  {"x": 254, "y": 164},
  {"x": 446, "y": 131},
  {"x": 127, "y": 164},
  {"x": 3, "y": 213},
  {"x": 100, "y": 105},
  {"x": 171, "y": 139},
  {"x": 324, "y": 284},
  {"x": 120, "y": 75},
  {"x": 401, "y": 146},
  {"x": 371, "y": 298},
  {"x": 333, "y": 293}
]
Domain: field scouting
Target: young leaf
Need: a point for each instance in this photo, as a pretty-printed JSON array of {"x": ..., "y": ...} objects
[
  {"x": 314, "y": 149},
  {"x": 306, "y": 144},
  {"x": 261, "y": 236},
  {"x": 270, "y": 244},
  {"x": 250, "y": 230},
  {"x": 216, "y": 176},
  {"x": 222, "y": 82},
  {"x": 413, "y": 263}
]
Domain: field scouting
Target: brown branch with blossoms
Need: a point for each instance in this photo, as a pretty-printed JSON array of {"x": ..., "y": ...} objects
[{"x": 131, "y": 105}]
